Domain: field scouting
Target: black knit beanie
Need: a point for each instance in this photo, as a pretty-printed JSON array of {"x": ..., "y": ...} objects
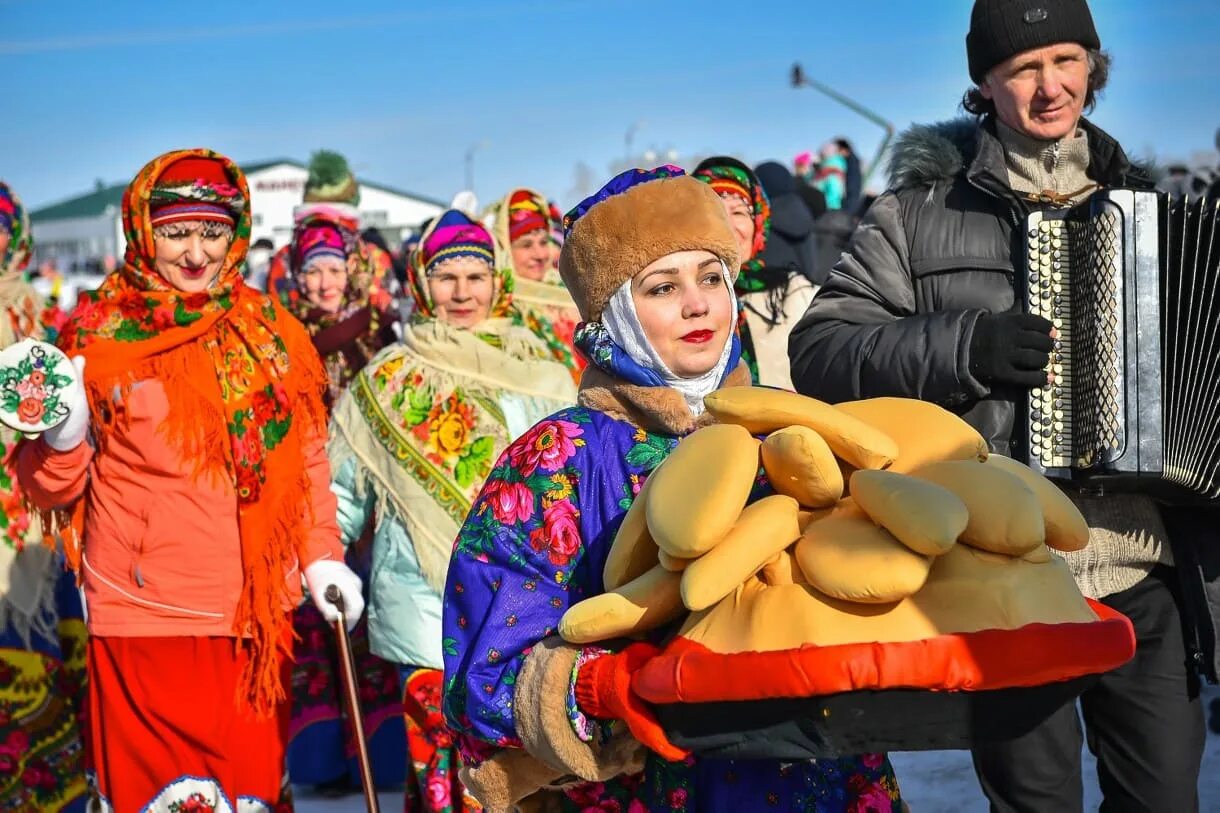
[{"x": 1001, "y": 28}]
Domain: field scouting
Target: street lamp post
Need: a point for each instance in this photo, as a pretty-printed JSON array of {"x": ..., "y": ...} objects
[
  {"x": 629, "y": 139},
  {"x": 801, "y": 79},
  {"x": 470, "y": 161}
]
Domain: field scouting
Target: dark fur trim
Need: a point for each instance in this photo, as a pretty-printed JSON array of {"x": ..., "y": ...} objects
[
  {"x": 621, "y": 235},
  {"x": 655, "y": 409},
  {"x": 927, "y": 154}
]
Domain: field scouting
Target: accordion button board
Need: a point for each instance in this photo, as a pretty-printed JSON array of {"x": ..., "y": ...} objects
[{"x": 1131, "y": 281}]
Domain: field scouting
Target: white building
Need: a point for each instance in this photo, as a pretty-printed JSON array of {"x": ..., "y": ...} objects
[{"x": 79, "y": 232}]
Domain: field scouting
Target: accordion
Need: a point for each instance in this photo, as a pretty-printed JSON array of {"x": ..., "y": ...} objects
[{"x": 1131, "y": 281}]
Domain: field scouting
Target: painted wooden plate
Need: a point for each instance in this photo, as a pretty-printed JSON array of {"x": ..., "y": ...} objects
[{"x": 34, "y": 376}]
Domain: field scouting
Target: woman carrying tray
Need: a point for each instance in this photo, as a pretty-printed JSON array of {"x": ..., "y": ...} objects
[
  {"x": 412, "y": 441},
  {"x": 650, "y": 261}
]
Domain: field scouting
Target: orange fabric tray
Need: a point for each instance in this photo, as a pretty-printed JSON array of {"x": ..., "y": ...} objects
[{"x": 1036, "y": 654}]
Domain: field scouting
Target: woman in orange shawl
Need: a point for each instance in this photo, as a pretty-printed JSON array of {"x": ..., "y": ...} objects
[{"x": 193, "y": 459}]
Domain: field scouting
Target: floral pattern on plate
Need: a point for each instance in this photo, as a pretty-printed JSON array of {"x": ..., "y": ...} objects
[{"x": 33, "y": 377}]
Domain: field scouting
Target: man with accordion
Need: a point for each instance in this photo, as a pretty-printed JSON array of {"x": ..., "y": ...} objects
[{"x": 953, "y": 291}]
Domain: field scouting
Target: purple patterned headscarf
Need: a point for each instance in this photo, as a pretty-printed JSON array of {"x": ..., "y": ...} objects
[{"x": 617, "y": 185}]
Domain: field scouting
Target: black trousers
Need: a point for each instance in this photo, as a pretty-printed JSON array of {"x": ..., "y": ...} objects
[{"x": 1144, "y": 723}]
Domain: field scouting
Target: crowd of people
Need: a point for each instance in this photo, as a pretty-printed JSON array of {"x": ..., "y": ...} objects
[{"x": 452, "y": 432}]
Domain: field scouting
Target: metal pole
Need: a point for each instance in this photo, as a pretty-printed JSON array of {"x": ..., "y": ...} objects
[
  {"x": 629, "y": 141},
  {"x": 347, "y": 665},
  {"x": 800, "y": 79},
  {"x": 470, "y": 162}
]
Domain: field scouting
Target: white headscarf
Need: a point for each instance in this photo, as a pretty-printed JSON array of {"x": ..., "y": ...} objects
[{"x": 623, "y": 324}]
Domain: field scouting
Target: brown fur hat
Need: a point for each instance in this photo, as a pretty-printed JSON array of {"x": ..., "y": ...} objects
[{"x": 617, "y": 235}]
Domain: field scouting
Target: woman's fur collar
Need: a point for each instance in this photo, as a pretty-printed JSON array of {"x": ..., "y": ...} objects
[{"x": 654, "y": 409}]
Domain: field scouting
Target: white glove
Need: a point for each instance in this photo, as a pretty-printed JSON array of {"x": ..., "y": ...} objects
[
  {"x": 325, "y": 572},
  {"x": 67, "y": 435}
]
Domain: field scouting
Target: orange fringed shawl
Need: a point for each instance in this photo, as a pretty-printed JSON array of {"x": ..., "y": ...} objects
[{"x": 247, "y": 421}]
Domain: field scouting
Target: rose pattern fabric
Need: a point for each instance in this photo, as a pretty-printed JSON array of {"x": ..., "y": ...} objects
[
  {"x": 42, "y": 694},
  {"x": 534, "y": 543},
  {"x": 433, "y": 785}
]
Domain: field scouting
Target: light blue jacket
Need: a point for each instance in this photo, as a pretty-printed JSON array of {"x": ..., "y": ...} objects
[{"x": 404, "y": 612}]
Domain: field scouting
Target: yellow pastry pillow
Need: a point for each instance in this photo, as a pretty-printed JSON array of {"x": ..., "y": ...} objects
[
  {"x": 925, "y": 433},
  {"x": 920, "y": 514},
  {"x": 852, "y": 559},
  {"x": 765, "y": 528},
  {"x": 763, "y": 410},
  {"x": 1066, "y": 528},
  {"x": 1005, "y": 516},
  {"x": 697, "y": 494},
  {"x": 800, "y": 464}
]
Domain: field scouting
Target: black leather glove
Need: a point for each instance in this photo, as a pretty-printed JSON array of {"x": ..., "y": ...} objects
[{"x": 1011, "y": 348}]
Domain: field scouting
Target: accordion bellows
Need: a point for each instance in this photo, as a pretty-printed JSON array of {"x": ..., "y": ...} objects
[{"x": 1131, "y": 281}]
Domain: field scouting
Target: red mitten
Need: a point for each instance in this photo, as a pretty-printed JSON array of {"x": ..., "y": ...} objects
[{"x": 603, "y": 689}]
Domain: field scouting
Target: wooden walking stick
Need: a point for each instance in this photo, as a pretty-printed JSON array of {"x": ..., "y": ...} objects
[{"x": 351, "y": 689}]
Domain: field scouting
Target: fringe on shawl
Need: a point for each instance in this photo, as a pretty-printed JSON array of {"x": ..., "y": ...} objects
[
  {"x": 197, "y": 429},
  {"x": 260, "y": 611}
]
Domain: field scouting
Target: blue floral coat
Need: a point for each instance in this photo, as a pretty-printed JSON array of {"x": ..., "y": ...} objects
[{"x": 535, "y": 543}]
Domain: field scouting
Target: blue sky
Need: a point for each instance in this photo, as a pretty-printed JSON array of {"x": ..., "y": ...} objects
[{"x": 94, "y": 89}]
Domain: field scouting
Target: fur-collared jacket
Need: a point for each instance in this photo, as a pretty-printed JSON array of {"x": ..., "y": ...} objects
[
  {"x": 931, "y": 255},
  {"x": 934, "y": 253}
]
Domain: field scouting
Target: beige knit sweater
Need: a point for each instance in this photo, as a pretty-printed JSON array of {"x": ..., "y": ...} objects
[
  {"x": 1050, "y": 168},
  {"x": 1127, "y": 534}
]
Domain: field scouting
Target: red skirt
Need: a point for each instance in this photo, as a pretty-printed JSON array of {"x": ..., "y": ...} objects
[{"x": 166, "y": 733}]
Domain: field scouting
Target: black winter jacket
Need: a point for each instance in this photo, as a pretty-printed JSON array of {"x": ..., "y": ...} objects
[
  {"x": 792, "y": 243},
  {"x": 931, "y": 255}
]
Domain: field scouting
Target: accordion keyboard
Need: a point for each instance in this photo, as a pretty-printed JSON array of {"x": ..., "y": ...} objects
[
  {"x": 1050, "y": 407},
  {"x": 1076, "y": 421}
]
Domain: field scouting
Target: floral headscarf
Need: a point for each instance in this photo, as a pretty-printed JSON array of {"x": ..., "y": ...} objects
[
  {"x": 15, "y": 221},
  {"x": 265, "y": 401},
  {"x": 347, "y": 339},
  {"x": 543, "y": 306},
  {"x": 448, "y": 234},
  {"x": 728, "y": 174}
]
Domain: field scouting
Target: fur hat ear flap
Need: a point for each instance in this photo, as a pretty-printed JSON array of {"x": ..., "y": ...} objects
[{"x": 619, "y": 235}]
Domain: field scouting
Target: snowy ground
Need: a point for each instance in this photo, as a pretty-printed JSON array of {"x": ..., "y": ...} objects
[{"x": 932, "y": 782}]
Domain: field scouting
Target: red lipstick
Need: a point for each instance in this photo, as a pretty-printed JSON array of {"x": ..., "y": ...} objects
[{"x": 698, "y": 336}]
